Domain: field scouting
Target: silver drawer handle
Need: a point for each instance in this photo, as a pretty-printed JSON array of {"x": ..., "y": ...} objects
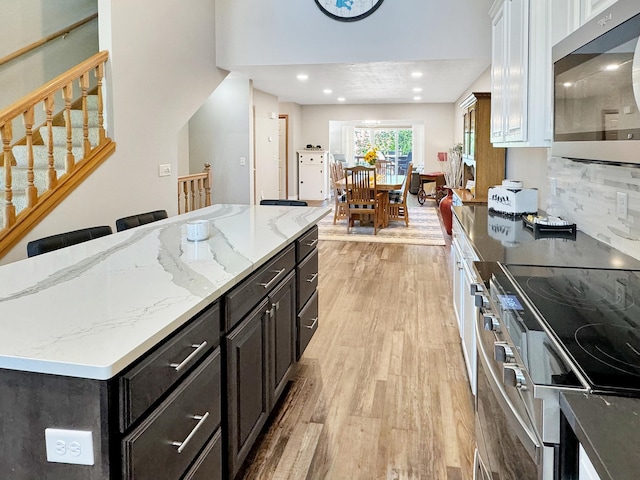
[
  {"x": 313, "y": 277},
  {"x": 182, "y": 445},
  {"x": 313, "y": 242},
  {"x": 313, "y": 325},
  {"x": 268, "y": 284},
  {"x": 181, "y": 365}
]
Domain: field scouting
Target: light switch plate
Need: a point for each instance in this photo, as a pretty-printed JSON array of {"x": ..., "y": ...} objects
[
  {"x": 621, "y": 205},
  {"x": 164, "y": 170},
  {"x": 69, "y": 446}
]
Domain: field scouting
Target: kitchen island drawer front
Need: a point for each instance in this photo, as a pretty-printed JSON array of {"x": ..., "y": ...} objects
[
  {"x": 209, "y": 465},
  {"x": 242, "y": 299},
  {"x": 168, "y": 441},
  {"x": 150, "y": 379},
  {"x": 306, "y": 243},
  {"x": 307, "y": 279},
  {"x": 307, "y": 323}
]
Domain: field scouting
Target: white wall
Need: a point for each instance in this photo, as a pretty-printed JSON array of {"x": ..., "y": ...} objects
[
  {"x": 294, "y": 112},
  {"x": 219, "y": 133},
  {"x": 265, "y": 110},
  {"x": 254, "y": 32},
  {"x": 437, "y": 119},
  {"x": 161, "y": 69}
]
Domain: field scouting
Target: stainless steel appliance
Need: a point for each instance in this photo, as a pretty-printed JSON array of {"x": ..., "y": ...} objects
[
  {"x": 545, "y": 330},
  {"x": 596, "y": 73}
]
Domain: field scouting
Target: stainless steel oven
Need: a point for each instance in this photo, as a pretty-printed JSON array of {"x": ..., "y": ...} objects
[
  {"x": 596, "y": 73},
  {"x": 521, "y": 371}
]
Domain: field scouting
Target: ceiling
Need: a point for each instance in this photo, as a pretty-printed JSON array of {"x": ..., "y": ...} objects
[{"x": 442, "y": 81}]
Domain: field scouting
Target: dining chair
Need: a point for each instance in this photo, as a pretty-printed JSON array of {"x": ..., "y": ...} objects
[
  {"x": 66, "y": 239},
  {"x": 385, "y": 167},
  {"x": 363, "y": 197},
  {"x": 339, "y": 196},
  {"x": 397, "y": 208},
  {"x": 131, "y": 221}
]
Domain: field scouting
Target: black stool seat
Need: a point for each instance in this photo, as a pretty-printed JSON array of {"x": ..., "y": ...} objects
[
  {"x": 285, "y": 203},
  {"x": 126, "y": 223},
  {"x": 61, "y": 240}
]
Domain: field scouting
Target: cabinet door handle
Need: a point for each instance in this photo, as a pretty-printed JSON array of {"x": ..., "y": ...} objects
[
  {"x": 268, "y": 284},
  {"x": 182, "y": 445},
  {"x": 312, "y": 243},
  {"x": 198, "y": 349},
  {"x": 312, "y": 278},
  {"x": 313, "y": 325}
]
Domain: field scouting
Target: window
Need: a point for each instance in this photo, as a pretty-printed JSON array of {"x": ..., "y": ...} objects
[{"x": 395, "y": 144}]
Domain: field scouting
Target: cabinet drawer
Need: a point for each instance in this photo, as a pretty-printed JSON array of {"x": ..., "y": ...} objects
[
  {"x": 145, "y": 383},
  {"x": 307, "y": 279},
  {"x": 307, "y": 323},
  {"x": 242, "y": 299},
  {"x": 209, "y": 465},
  {"x": 307, "y": 243},
  {"x": 166, "y": 443}
]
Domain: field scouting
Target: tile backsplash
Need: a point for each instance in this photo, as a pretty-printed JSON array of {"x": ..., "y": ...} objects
[{"x": 585, "y": 193}]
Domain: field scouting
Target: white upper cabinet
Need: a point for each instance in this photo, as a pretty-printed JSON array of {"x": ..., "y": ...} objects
[{"x": 521, "y": 73}]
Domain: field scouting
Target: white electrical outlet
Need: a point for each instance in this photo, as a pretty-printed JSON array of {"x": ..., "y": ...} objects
[
  {"x": 69, "y": 446},
  {"x": 621, "y": 205},
  {"x": 164, "y": 170},
  {"x": 553, "y": 186},
  {"x": 243, "y": 161}
]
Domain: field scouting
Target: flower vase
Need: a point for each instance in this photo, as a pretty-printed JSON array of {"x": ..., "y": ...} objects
[{"x": 445, "y": 210}]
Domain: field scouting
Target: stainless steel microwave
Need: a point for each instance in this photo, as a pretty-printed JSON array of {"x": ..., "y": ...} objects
[{"x": 596, "y": 73}]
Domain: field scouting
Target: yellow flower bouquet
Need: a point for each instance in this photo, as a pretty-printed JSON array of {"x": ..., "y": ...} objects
[{"x": 371, "y": 156}]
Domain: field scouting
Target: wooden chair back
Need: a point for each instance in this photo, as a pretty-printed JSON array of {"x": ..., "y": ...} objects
[{"x": 361, "y": 185}]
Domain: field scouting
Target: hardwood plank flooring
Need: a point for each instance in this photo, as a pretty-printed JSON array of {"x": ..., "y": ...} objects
[{"x": 381, "y": 391}]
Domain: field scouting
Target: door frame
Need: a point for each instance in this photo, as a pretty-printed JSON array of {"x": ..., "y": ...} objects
[{"x": 285, "y": 117}]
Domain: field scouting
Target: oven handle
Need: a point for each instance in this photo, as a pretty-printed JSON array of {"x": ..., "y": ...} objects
[{"x": 526, "y": 435}]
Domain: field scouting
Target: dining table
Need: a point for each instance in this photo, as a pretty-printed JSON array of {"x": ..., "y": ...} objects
[{"x": 384, "y": 183}]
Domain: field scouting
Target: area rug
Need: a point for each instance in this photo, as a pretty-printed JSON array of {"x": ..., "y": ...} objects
[{"x": 424, "y": 229}]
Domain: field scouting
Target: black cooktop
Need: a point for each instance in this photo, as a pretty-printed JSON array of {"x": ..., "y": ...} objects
[{"x": 595, "y": 315}]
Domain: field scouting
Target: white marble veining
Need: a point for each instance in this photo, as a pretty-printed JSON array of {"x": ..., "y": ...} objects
[{"x": 91, "y": 309}]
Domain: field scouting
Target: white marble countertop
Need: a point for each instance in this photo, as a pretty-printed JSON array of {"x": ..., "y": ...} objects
[{"x": 91, "y": 309}]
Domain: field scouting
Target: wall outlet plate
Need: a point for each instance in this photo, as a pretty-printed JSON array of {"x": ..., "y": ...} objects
[
  {"x": 69, "y": 446},
  {"x": 622, "y": 203},
  {"x": 164, "y": 170}
]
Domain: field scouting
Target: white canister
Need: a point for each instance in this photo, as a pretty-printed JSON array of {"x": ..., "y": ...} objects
[{"x": 197, "y": 230}]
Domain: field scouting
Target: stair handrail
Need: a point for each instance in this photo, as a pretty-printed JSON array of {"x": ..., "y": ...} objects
[
  {"x": 37, "y": 204},
  {"x": 43, "y": 41}
]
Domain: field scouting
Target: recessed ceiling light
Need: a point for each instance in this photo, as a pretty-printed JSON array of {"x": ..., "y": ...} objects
[
  {"x": 417, "y": 89},
  {"x": 417, "y": 98},
  {"x": 327, "y": 91},
  {"x": 416, "y": 74},
  {"x": 567, "y": 84},
  {"x": 302, "y": 77},
  {"x": 341, "y": 99},
  {"x": 611, "y": 67}
]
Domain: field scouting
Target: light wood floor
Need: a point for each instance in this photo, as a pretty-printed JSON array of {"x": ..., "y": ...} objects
[{"x": 381, "y": 391}]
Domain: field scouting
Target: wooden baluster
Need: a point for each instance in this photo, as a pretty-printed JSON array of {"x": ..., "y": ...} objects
[
  {"x": 192, "y": 187},
  {"x": 186, "y": 196},
  {"x": 179, "y": 196},
  {"x": 31, "y": 191},
  {"x": 84, "y": 86},
  {"x": 208, "y": 181},
  {"x": 101, "y": 133},
  {"x": 67, "y": 94},
  {"x": 6, "y": 133},
  {"x": 52, "y": 175},
  {"x": 200, "y": 183}
]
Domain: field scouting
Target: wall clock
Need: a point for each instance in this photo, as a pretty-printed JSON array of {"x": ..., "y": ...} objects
[{"x": 348, "y": 10}]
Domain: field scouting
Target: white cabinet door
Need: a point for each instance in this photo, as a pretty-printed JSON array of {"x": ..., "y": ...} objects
[
  {"x": 456, "y": 265},
  {"x": 470, "y": 313},
  {"x": 518, "y": 69},
  {"x": 564, "y": 17},
  {"x": 521, "y": 73},
  {"x": 591, "y": 8},
  {"x": 498, "y": 73}
]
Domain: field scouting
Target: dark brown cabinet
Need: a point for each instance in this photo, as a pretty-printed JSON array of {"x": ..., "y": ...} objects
[{"x": 282, "y": 331}]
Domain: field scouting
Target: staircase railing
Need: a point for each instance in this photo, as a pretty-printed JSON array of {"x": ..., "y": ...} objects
[
  {"x": 194, "y": 191},
  {"x": 78, "y": 154}
]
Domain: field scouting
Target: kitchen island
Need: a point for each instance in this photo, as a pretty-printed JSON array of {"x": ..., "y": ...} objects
[{"x": 83, "y": 326}]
